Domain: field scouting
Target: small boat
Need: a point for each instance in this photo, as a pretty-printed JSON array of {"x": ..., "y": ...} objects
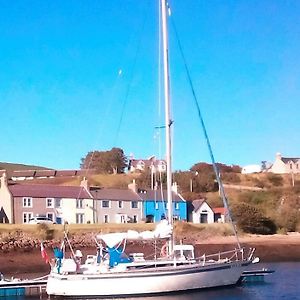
[
  {"x": 253, "y": 276},
  {"x": 21, "y": 287},
  {"x": 113, "y": 273}
]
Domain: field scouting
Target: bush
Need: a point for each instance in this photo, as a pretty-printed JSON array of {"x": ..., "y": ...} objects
[
  {"x": 275, "y": 180},
  {"x": 288, "y": 219},
  {"x": 231, "y": 178},
  {"x": 251, "y": 220},
  {"x": 45, "y": 232}
]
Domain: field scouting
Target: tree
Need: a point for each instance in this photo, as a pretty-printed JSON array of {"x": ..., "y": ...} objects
[{"x": 112, "y": 161}]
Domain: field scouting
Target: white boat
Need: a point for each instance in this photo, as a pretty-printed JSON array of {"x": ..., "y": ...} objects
[{"x": 110, "y": 273}]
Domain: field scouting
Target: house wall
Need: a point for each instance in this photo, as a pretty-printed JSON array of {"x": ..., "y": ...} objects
[
  {"x": 38, "y": 208},
  {"x": 158, "y": 209},
  {"x": 115, "y": 213},
  {"x": 203, "y": 209},
  {"x": 67, "y": 212},
  {"x": 279, "y": 167},
  {"x": 6, "y": 204}
]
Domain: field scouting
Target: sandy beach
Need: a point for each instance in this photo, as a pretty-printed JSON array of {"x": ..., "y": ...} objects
[{"x": 268, "y": 248}]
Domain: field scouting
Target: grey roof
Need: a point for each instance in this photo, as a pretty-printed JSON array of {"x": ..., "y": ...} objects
[
  {"x": 157, "y": 195},
  {"x": 48, "y": 191},
  {"x": 197, "y": 203},
  {"x": 115, "y": 194},
  {"x": 288, "y": 159}
]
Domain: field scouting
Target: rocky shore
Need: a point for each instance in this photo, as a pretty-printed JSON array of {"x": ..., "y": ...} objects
[{"x": 21, "y": 255}]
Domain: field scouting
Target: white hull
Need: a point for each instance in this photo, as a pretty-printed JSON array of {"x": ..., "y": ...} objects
[{"x": 141, "y": 282}]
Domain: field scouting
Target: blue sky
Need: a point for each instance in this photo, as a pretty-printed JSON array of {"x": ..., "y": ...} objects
[{"x": 68, "y": 69}]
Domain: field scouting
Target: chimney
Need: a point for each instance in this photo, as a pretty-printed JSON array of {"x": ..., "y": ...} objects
[
  {"x": 3, "y": 180},
  {"x": 84, "y": 183},
  {"x": 278, "y": 156},
  {"x": 175, "y": 187},
  {"x": 133, "y": 186}
]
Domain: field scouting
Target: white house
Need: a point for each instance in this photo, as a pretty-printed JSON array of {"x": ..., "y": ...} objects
[
  {"x": 285, "y": 165},
  {"x": 250, "y": 169},
  {"x": 202, "y": 212}
]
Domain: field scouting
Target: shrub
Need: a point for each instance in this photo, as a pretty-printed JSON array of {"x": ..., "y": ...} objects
[
  {"x": 45, "y": 232},
  {"x": 251, "y": 220},
  {"x": 288, "y": 218},
  {"x": 275, "y": 180}
]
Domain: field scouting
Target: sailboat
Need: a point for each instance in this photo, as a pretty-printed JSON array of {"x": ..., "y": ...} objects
[{"x": 111, "y": 273}]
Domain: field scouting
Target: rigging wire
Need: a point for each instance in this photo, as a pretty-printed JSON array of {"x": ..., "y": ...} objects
[
  {"x": 130, "y": 78},
  {"x": 196, "y": 102}
]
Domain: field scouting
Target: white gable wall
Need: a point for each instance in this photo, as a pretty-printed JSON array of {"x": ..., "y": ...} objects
[{"x": 204, "y": 209}]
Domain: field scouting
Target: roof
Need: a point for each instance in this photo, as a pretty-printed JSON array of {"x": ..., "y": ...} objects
[
  {"x": 44, "y": 173},
  {"x": 288, "y": 159},
  {"x": 115, "y": 194},
  {"x": 198, "y": 203},
  {"x": 23, "y": 173},
  {"x": 148, "y": 162},
  {"x": 65, "y": 172},
  {"x": 219, "y": 210},
  {"x": 48, "y": 191},
  {"x": 157, "y": 195}
]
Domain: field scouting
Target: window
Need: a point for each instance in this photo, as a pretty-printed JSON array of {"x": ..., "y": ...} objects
[
  {"x": 135, "y": 219},
  {"x": 27, "y": 202},
  {"x": 176, "y": 205},
  {"x": 27, "y": 216},
  {"x": 50, "y": 216},
  {"x": 291, "y": 166},
  {"x": 79, "y": 203},
  {"x": 49, "y": 202},
  {"x": 58, "y": 203},
  {"x": 134, "y": 204},
  {"x": 120, "y": 204},
  {"x": 156, "y": 205},
  {"x": 106, "y": 219},
  {"x": 105, "y": 203},
  {"x": 297, "y": 166},
  {"x": 79, "y": 218}
]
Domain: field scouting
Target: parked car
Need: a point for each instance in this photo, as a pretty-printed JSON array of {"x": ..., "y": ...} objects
[{"x": 40, "y": 220}]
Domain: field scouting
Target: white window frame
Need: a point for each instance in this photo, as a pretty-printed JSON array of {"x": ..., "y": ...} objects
[
  {"x": 177, "y": 205},
  {"x": 28, "y": 215},
  {"x": 103, "y": 203},
  {"x": 106, "y": 219},
  {"x": 79, "y": 203},
  {"x": 52, "y": 203},
  {"x": 27, "y": 202},
  {"x": 156, "y": 205},
  {"x": 137, "y": 204},
  {"x": 79, "y": 218}
]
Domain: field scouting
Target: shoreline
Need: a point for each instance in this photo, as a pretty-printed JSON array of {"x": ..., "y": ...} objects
[{"x": 275, "y": 248}]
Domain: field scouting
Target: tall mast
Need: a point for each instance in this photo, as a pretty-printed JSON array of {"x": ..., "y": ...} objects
[{"x": 168, "y": 121}]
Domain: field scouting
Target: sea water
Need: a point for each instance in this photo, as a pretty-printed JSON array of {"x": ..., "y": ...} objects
[{"x": 283, "y": 284}]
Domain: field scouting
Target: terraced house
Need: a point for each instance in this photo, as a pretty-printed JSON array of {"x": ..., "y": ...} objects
[
  {"x": 62, "y": 204},
  {"x": 20, "y": 201}
]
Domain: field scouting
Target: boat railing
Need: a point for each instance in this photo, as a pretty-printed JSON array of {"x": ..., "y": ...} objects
[{"x": 226, "y": 256}]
